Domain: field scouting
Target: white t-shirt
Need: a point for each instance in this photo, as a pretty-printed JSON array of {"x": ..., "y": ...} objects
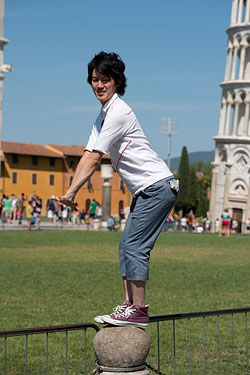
[{"x": 117, "y": 131}]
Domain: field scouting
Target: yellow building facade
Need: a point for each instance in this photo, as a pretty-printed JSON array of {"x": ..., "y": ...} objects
[{"x": 48, "y": 171}]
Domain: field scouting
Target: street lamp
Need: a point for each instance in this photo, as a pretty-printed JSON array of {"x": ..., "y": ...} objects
[{"x": 169, "y": 127}]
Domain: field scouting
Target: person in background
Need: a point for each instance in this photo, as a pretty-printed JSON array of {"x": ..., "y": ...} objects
[
  {"x": 7, "y": 209},
  {"x": 111, "y": 224},
  {"x": 92, "y": 210},
  {"x": 21, "y": 207},
  {"x": 225, "y": 223},
  {"x": 29, "y": 214}
]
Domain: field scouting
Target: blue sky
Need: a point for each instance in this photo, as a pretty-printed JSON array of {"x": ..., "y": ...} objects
[{"x": 175, "y": 54}]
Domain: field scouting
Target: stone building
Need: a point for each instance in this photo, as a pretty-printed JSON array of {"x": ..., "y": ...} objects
[{"x": 231, "y": 167}]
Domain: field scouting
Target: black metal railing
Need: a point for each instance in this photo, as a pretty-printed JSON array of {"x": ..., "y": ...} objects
[
  {"x": 5, "y": 335},
  {"x": 173, "y": 351},
  {"x": 218, "y": 356}
]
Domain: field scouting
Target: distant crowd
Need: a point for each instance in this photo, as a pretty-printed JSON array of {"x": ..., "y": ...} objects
[
  {"x": 13, "y": 209},
  {"x": 224, "y": 226}
]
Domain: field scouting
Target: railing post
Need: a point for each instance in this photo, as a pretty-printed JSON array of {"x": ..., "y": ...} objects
[{"x": 122, "y": 350}]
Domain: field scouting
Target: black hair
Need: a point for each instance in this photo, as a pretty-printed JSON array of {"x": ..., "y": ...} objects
[{"x": 110, "y": 65}]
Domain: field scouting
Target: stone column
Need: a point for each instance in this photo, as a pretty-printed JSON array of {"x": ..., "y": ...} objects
[
  {"x": 122, "y": 350},
  {"x": 247, "y": 112},
  {"x": 234, "y": 12},
  {"x": 236, "y": 116},
  {"x": 227, "y": 185},
  {"x": 222, "y": 116},
  {"x": 248, "y": 203},
  {"x": 240, "y": 9},
  {"x": 229, "y": 62},
  {"x": 247, "y": 15},
  {"x": 242, "y": 60},
  {"x": 107, "y": 174},
  {"x": 235, "y": 52},
  {"x": 213, "y": 196},
  {"x": 229, "y": 110}
]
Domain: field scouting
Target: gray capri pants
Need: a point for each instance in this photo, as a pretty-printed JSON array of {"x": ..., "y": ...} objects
[{"x": 148, "y": 212}]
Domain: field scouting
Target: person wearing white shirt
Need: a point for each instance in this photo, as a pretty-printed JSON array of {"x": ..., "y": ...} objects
[{"x": 117, "y": 131}]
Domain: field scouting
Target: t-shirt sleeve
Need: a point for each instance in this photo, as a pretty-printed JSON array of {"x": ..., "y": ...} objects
[
  {"x": 114, "y": 128},
  {"x": 92, "y": 140}
]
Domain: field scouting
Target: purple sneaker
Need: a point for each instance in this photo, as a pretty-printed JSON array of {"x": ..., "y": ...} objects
[
  {"x": 132, "y": 316},
  {"x": 116, "y": 310}
]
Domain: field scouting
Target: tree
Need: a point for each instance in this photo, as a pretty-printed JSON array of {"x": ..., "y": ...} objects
[
  {"x": 193, "y": 191},
  {"x": 183, "y": 176}
]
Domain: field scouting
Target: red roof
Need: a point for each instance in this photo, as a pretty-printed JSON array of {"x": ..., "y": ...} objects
[
  {"x": 74, "y": 150},
  {"x": 27, "y": 149}
]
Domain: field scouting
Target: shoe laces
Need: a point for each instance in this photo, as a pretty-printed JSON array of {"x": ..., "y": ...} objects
[
  {"x": 125, "y": 313},
  {"x": 128, "y": 311},
  {"x": 119, "y": 308}
]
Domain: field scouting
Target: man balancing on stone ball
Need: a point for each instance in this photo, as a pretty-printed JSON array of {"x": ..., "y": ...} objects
[{"x": 117, "y": 131}]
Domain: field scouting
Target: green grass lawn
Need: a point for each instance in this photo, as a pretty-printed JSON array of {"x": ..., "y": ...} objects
[{"x": 50, "y": 278}]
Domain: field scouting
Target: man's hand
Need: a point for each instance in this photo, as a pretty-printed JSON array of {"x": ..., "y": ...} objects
[{"x": 68, "y": 201}]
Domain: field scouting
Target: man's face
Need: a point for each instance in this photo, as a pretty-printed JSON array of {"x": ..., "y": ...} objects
[{"x": 103, "y": 86}]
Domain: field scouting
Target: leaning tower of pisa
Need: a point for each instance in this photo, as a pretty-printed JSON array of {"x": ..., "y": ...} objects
[{"x": 231, "y": 167}]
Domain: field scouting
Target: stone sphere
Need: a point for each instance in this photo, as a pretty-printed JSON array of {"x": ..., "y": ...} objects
[{"x": 121, "y": 347}]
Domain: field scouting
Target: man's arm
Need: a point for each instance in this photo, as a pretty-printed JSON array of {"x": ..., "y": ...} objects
[{"x": 85, "y": 168}]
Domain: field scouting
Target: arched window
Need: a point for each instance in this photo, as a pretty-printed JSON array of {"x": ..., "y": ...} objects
[
  {"x": 87, "y": 205},
  {"x": 121, "y": 206}
]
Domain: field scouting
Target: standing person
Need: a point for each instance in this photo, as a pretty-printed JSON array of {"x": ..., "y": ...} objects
[
  {"x": 92, "y": 209},
  {"x": 29, "y": 214},
  {"x": 2, "y": 208},
  {"x": 21, "y": 207},
  {"x": 7, "y": 209},
  {"x": 225, "y": 223},
  {"x": 118, "y": 132},
  {"x": 13, "y": 207}
]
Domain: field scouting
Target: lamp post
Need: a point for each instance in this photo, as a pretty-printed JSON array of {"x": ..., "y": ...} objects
[
  {"x": 169, "y": 127},
  {"x": 4, "y": 68},
  {"x": 107, "y": 174}
]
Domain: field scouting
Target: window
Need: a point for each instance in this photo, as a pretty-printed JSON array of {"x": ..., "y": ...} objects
[
  {"x": 34, "y": 160},
  {"x": 72, "y": 164},
  {"x": 14, "y": 177},
  {"x": 51, "y": 179},
  {"x": 51, "y": 162},
  {"x": 34, "y": 179},
  {"x": 70, "y": 180},
  {"x": 121, "y": 206},
  {"x": 14, "y": 158},
  {"x": 87, "y": 205}
]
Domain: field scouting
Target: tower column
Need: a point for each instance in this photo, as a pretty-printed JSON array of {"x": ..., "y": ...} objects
[
  {"x": 247, "y": 13},
  {"x": 234, "y": 12},
  {"x": 236, "y": 116},
  {"x": 229, "y": 110},
  {"x": 227, "y": 185},
  {"x": 222, "y": 116},
  {"x": 239, "y": 20},
  {"x": 247, "y": 112},
  {"x": 229, "y": 62},
  {"x": 248, "y": 202},
  {"x": 242, "y": 59},
  {"x": 235, "y": 53}
]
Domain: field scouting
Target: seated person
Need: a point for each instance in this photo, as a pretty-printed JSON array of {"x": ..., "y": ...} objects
[{"x": 111, "y": 224}]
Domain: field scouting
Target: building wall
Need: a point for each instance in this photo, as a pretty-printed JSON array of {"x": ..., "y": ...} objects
[
  {"x": 62, "y": 171},
  {"x": 24, "y": 169}
]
